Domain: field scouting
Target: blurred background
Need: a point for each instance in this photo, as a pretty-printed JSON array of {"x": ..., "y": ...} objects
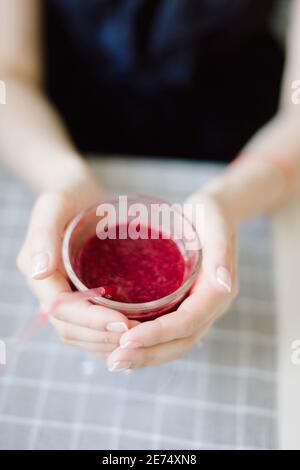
[
  {"x": 222, "y": 395},
  {"x": 230, "y": 391}
]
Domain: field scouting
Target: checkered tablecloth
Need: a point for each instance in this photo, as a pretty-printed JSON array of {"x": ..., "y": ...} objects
[{"x": 222, "y": 395}]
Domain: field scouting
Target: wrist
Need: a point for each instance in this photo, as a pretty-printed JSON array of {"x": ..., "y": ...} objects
[
  {"x": 76, "y": 182},
  {"x": 251, "y": 186},
  {"x": 220, "y": 192}
]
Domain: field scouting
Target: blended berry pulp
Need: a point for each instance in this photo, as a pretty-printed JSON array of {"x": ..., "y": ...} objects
[{"x": 143, "y": 269}]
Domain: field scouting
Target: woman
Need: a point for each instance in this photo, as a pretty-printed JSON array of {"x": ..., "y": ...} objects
[{"x": 181, "y": 78}]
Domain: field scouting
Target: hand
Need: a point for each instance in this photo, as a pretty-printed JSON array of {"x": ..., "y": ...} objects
[
  {"x": 170, "y": 336},
  {"x": 94, "y": 328}
]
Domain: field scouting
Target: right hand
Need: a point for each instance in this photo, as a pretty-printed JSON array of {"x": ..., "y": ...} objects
[{"x": 94, "y": 328}]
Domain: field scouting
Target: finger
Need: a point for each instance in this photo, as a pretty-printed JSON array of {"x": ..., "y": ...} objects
[
  {"x": 94, "y": 317},
  {"x": 235, "y": 279},
  {"x": 81, "y": 313},
  {"x": 40, "y": 254},
  {"x": 157, "y": 355},
  {"x": 70, "y": 332},
  {"x": 122, "y": 359},
  {"x": 99, "y": 350},
  {"x": 48, "y": 290},
  {"x": 217, "y": 240},
  {"x": 196, "y": 311}
]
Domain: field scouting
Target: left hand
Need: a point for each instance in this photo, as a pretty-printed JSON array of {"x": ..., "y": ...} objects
[
  {"x": 170, "y": 336},
  {"x": 91, "y": 327}
]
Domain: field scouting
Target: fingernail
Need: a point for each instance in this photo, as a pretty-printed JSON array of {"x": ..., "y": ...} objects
[
  {"x": 40, "y": 264},
  {"x": 131, "y": 345},
  {"x": 117, "y": 327},
  {"x": 224, "y": 278},
  {"x": 120, "y": 366}
]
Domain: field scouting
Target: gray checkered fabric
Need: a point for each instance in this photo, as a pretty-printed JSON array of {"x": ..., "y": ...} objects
[{"x": 222, "y": 395}]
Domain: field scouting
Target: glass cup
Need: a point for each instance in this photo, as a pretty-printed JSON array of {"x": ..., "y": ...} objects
[{"x": 84, "y": 226}]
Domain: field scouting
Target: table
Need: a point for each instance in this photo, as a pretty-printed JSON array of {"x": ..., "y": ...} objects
[
  {"x": 287, "y": 262},
  {"x": 222, "y": 395}
]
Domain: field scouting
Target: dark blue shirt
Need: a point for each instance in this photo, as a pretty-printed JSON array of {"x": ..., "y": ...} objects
[{"x": 163, "y": 76}]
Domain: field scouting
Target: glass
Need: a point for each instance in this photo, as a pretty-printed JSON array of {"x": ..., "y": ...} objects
[{"x": 84, "y": 226}]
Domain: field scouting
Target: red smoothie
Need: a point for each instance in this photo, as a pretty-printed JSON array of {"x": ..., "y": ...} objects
[{"x": 142, "y": 269}]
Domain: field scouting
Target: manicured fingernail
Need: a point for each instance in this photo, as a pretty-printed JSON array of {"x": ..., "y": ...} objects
[
  {"x": 40, "y": 264},
  {"x": 120, "y": 366},
  {"x": 131, "y": 345},
  {"x": 224, "y": 278},
  {"x": 117, "y": 327}
]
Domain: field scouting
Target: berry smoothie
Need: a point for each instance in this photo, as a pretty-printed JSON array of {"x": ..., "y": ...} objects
[{"x": 143, "y": 270}]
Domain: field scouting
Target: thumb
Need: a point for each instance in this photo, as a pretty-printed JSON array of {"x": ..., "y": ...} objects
[
  {"x": 218, "y": 253},
  {"x": 217, "y": 241},
  {"x": 40, "y": 254}
]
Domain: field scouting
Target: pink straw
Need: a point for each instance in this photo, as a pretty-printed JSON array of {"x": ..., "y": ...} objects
[
  {"x": 70, "y": 297},
  {"x": 66, "y": 297}
]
